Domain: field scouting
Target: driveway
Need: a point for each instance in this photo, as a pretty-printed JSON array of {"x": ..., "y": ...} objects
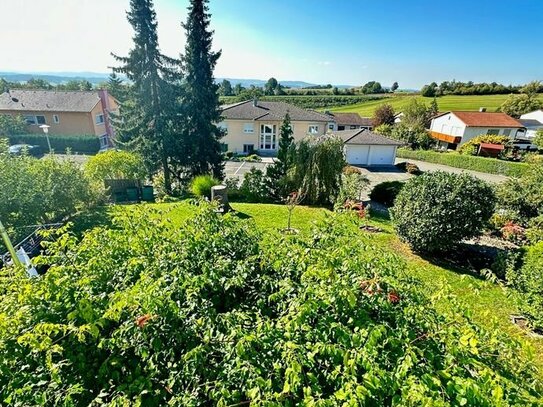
[
  {"x": 238, "y": 169},
  {"x": 425, "y": 166}
]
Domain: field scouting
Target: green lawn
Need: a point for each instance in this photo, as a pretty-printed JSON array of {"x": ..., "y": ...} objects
[
  {"x": 445, "y": 103},
  {"x": 489, "y": 303}
]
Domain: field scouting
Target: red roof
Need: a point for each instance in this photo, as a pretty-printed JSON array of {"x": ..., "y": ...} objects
[
  {"x": 490, "y": 146},
  {"x": 486, "y": 119}
]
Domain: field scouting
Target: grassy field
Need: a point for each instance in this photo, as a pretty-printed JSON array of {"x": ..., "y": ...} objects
[
  {"x": 445, "y": 103},
  {"x": 490, "y": 304}
]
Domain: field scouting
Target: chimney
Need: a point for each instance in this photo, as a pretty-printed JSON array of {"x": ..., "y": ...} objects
[
  {"x": 255, "y": 101},
  {"x": 482, "y": 109}
]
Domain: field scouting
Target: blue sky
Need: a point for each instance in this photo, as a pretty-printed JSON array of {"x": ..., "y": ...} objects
[{"x": 341, "y": 42}]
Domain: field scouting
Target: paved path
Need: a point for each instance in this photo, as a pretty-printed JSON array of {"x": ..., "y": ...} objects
[
  {"x": 237, "y": 169},
  {"x": 425, "y": 166}
]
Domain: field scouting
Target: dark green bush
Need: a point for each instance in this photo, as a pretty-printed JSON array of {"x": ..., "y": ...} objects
[
  {"x": 214, "y": 314},
  {"x": 438, "y": 209},
  {"x": 453, "y": 159},
  {"x": 82, "y": 144},
  {"x": 254, "y": 187},
  {"x": 386, "y": 192},
  {"x": 528, "y": 280},
  {"x": 523, "y": 194}
]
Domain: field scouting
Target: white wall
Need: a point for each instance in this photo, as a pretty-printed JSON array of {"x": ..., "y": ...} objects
[
  {"x": 537, "y": 115},
  {"x": 448, "y": 124}
]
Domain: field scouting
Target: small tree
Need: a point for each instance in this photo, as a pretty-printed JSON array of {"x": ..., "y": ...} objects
[
  {"x": 517, "y": 105},
  {"x": 436, "y": 210},
  {"x": 538, "y": 139},
  {"x": 394, "y": 87},
  {"x": 384, "y": 114},
  {"x": 292, "y": 200},
  {"x": 277, "y": 173}
]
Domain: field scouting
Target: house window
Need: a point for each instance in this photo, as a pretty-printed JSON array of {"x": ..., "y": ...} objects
[
  {"x": 103, "y": 142},
  {"x": 100, "y": 118},
  {"x": 248, "y": 128},
  {"x": 341, "y": 128},
  {"x": 313, "y": 129},
  {"x": 34, "y": 120},
  {"x": 56, "y": 119},
  {"x": 268, "y": 136},
  {"x": 330, "y": 126},
  {"x": 352, "y": 127},
  {"x": 30, "y": 120},
  {"x": 507, "y": 132},
  {"x": 248, "y": 148},
  {"x": 493, "y": 132}
]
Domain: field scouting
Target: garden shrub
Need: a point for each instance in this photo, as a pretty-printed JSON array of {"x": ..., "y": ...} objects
[
  {"x": 534, "y": 232},
  {"x": 213, "y": 313},
  {"x": 254, "y": 187},
  {"x": 349, "y": 169},
  {"x": 408, "y": 167},
  {"x": 201, "y": 185},
  {"x": 471, "y": 147},
  {"x": 352, "y": 186},
  {"x": 386, "y": 192},
  {"x": 454, "y": 159},
  {"x": 528, "y": 280},
  {"x": 40, "y": 191},
  {"x": 438, "y": 209},
  {"x": 113, "y": 164},
  {"x": 523, "y": 195}
]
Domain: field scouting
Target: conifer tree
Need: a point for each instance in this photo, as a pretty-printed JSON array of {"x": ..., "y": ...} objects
[
  {"x": 277, "y": 173},
  {"x": 116, "y": 87},
  {"x": 200, "y": 99},
  {"x": 146, "y": 117}
]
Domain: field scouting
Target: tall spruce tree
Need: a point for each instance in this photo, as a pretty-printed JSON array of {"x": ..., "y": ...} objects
[
  {"x": 277, "y": 174},
  {"x": 116, "y": 87},
  {"x": 145, "y": 120},
  {"x": 200, "y": 100}
]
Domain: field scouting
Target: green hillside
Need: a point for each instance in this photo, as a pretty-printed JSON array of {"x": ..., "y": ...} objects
[{"x": 445, "y": 103}]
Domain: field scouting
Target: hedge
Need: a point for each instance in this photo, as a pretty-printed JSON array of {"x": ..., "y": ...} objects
[
  {"x": 453, "y": 159},
  {"x": 86, "y": 144}
]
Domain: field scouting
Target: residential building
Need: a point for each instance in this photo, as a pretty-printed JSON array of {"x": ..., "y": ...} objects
[
  {"x": 350, "y": 121},
  {"x": 533, "y": 122},
  {"x": 452, "y": 129},
  {"x": 66, "y": 112},
  {"x": 254, "y": 126},
  {"x": 364, "y": 147}
]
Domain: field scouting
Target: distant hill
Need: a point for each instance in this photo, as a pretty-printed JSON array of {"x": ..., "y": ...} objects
[{"x": 95, "y": 78}]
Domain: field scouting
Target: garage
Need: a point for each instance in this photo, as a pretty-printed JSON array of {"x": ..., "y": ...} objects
[{"x": 364, "y": 147}]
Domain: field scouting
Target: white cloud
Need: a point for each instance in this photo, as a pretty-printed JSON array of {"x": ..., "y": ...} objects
[{"x": 324, "y": 63}]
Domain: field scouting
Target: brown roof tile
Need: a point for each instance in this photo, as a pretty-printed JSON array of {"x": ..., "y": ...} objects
[
  {"x": 486, "y": 119},
  {"x": 367, "y": 137},
  {"x": 48, "y": 101},
  {"x": 271, "y": 111},
  {"x": 348, "y": 119}
]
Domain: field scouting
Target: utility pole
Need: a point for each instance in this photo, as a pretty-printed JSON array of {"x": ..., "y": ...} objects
[{"x": 8, "y": 244}]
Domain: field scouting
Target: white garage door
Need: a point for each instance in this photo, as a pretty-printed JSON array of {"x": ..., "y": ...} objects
[
  {"x": 356, "y": 154},
  {"x": 382, "y": 155}
]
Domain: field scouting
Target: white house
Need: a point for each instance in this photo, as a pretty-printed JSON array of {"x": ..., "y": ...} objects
[
  {"x": 533, "y": 121},
  {"x": 364, "y": 147},
  {"x": 454, "y": 128}
]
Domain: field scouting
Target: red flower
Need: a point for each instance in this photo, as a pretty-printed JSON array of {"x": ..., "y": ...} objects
[
  {"x": 141, "y": 321},
  {"x": 393, "y": 297}
]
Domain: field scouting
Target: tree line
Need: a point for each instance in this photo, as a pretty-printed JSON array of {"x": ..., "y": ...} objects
[{"x": 470, "y": 88}]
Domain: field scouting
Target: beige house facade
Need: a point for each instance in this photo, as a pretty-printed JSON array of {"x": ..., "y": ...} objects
[
  {"x": 254, "y": 126},
  {"x": 65, "y": 112}
]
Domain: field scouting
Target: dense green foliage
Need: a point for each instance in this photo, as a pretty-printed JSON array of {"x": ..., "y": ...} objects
[
  {"x": 538, "y": 139},
  {"x": 517, "y": 105},
  {"x": 213, "y": 314},
  {"x": 524, "y": 194},
  {"x": 277, "y": 173},
  {"x": 528, "y": 280},
  {"x": 11, "y": 125},
  {"x": 386, "y": 192},
  {"x": 201, "y": 185},
  {"x": 436, "y": 210},
  {"x": 114, "y": 164},
  {"x": 147, "y": 119},
  {"x": 453, "y": 159},
  {"x": 311, "y": 102},
  {"x": 83, "y": 144},
  {"x": 200, "y": 100},
  {"x": 352, "y": 186},
  {"x": 471, "y": 147},
  {"x": 35, "y": 191},
  {"x": 317, "y": 166},
  {"x": 470, "y": 88},
  {"x": 372, "y": 87}
]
